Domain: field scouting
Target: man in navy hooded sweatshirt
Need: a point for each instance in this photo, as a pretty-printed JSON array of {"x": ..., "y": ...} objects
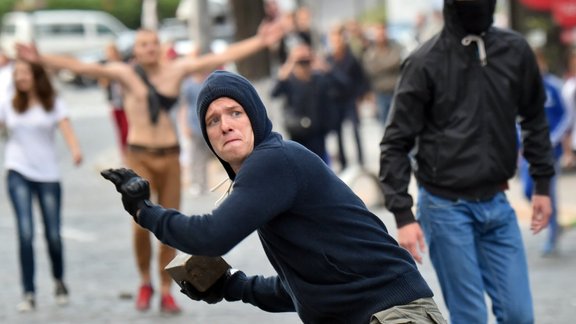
[{"x": 335, "y": 260}]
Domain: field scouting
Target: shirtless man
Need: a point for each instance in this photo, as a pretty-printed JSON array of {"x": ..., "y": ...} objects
[{"x": 153, "y": 148}]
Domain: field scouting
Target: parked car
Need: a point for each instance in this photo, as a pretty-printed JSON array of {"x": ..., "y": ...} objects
[
  {"x": 81, "y": 33},
  {"x": 60, "y": 31}
]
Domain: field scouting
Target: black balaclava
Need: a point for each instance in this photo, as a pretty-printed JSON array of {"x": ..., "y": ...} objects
[
  {"x": 475, "y": 16},
  {"x": 226, "y": 84}
]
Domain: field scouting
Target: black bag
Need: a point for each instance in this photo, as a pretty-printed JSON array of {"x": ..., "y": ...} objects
[
  {"x": 298, "y": 125},
  {"x": 301, "y": 119}
]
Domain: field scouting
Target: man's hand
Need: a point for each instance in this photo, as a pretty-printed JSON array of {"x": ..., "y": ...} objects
[
  {"x": 134, "y": 189},
  {"x": 27, "y": 52},
  {"x": 271, "y": 31},
  {"x": 411, "y": 238},
  {"x": 213, "y": 295},
  {"x": 541, "y": 211}
]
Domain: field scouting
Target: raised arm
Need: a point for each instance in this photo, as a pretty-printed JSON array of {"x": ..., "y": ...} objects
[
  {"x": 268, "y": 34},
  {"x": 113, "y": 71}
]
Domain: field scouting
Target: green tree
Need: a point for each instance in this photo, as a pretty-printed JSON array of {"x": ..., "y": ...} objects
[
  {"x": 127, "y": 11},
  {"x": 6, "y": 6}
]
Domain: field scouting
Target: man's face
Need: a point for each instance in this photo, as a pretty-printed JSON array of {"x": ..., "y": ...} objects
[
  {"x": 336, "y": 39},
  {"x": 475, "y": 15},
  {"x": 229, "y": 131},
  {"x": 302, "y": 57},
  {"x": 380, "y": 34},
  {"x": 146, "y": 47}
]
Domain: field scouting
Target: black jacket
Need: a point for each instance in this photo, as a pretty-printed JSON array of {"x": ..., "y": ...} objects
[{"x": 460, "y": 115}]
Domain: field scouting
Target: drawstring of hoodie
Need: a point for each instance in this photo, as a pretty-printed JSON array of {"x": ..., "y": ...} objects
[
  {"x": 466, "y": 41},
  {"x": 226, "y": 193}
]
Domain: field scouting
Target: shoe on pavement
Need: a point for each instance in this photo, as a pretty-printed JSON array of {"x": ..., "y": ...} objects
[
  {"x": 28, "y": 304},
  {"x": 144, "y": 295},
  {"x": 168, "y": 305},
  {"x": 61, "y": 293}
]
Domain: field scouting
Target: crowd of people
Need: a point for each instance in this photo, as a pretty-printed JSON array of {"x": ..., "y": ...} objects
[{"x": 456, "y": 112}]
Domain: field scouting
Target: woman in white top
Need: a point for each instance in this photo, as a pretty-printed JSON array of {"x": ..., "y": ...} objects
[{"x": 31, "y": 118}]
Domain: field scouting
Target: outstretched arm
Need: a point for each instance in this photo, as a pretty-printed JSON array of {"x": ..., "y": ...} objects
[
  {"x": 29, "y": 53},
  {"x": 268, "y": 34}
]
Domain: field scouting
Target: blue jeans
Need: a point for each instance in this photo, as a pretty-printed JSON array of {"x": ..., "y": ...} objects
[
  {"x": 476, "y": 247},
  {"x": 21, "y": 192}
]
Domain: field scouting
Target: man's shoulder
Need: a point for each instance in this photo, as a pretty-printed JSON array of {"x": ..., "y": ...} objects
[
  {"x": 509, "y": 37},
  {"x": 428, "y": 50},
  {"x": 120, "y": 66},
  {"x": 120, "y": 71},
  {"x": 274, "y": 144},
  {"x": 275, "y": 147},
  {"x": 274, "y": 153}
]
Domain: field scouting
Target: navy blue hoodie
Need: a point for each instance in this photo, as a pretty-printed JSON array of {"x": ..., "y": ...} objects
[{"x": 335, "y": 260}]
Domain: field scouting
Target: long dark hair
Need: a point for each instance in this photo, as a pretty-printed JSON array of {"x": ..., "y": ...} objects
[{"x": 42, "y": 86}]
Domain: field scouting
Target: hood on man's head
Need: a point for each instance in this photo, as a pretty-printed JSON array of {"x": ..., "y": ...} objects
[
  {"x": 226, "y": 84},
  {"x": 473, "y": 16}
]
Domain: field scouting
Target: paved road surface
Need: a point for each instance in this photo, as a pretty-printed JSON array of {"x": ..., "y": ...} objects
[{"x": 100, "y": 269}]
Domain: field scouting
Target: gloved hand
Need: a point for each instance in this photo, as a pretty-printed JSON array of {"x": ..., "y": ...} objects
[
  {"x": 134, "y": 189},
  {"x": 213, "y": 295}
]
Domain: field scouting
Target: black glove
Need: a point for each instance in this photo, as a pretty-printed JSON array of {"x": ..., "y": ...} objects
[
  {"x": 134, "y": 189},
  {"x": 213, "y": 295}
]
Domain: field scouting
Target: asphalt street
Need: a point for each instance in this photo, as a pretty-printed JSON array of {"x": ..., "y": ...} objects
[{"x": 100, "y": 268}]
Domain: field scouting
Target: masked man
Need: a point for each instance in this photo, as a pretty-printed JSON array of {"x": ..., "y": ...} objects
[{"x": 457, "y": 102}]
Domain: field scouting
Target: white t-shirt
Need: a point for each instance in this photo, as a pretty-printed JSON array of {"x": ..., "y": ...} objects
[
  {"x": 6, "y": 83},
  {"x": 31, "y": 147}
]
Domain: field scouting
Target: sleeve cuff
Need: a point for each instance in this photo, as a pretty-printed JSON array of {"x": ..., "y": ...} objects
[
  {"x": 404, "y": 218},
  {"x": 235, "y": 286},
  {"x": 542, "y": 186},
  {"x": 149, "y": 214}
]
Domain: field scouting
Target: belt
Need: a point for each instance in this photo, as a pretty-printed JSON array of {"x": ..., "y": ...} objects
[{"x": 154, "y": 150}]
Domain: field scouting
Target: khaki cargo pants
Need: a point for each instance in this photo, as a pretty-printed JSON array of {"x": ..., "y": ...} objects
[{"x": 420, "y": 311}]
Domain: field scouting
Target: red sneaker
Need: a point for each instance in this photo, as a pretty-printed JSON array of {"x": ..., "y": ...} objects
[
  {"x": 168, "y": 305},
  {"x": 144, "y": 295}
]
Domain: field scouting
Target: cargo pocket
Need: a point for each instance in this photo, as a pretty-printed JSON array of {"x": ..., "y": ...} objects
[
  {"x": 408, "y": 314},
  {"x": 392, "y": 316},
  {"x": 436, "y": 317}
]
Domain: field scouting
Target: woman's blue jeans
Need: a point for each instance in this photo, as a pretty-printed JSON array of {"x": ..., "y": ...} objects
[
  {"x": 476, "y": 247},
  {"x": 22, "y": 191}
]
